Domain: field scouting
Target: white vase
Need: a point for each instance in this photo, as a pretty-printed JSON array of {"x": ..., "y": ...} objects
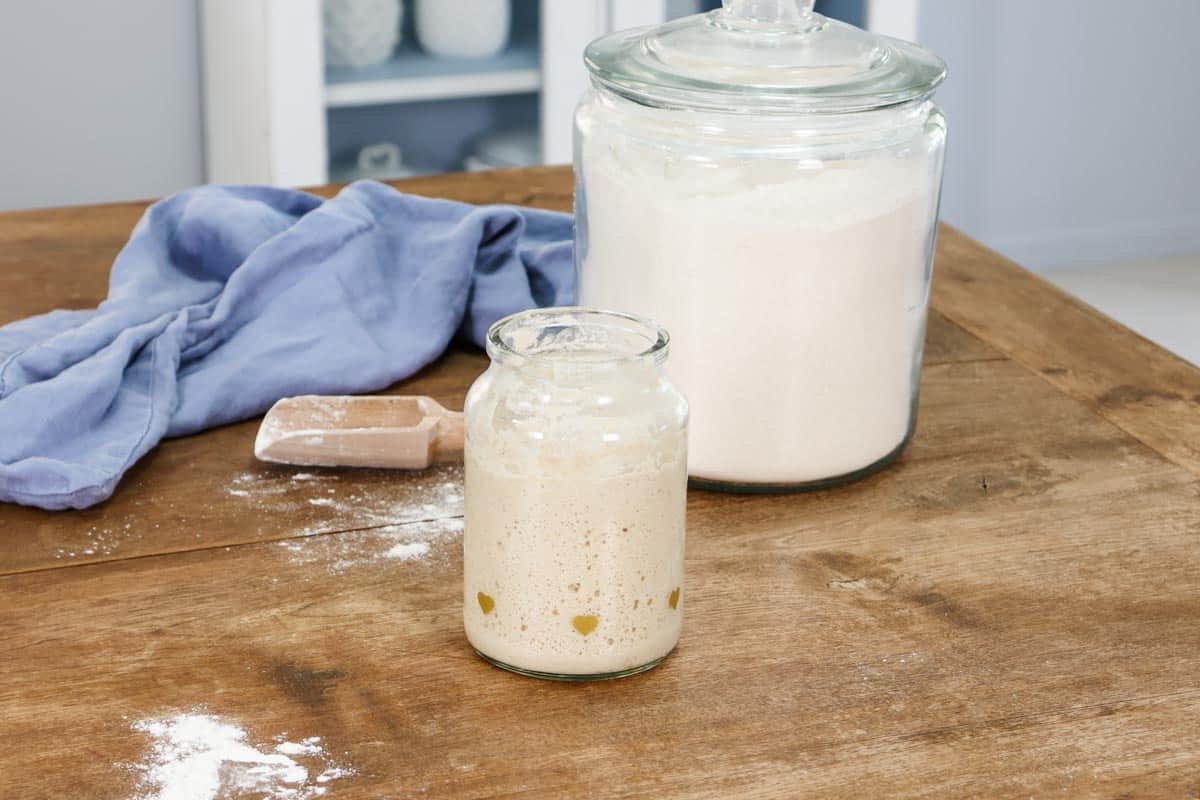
[
  {"x": 360, "y": 33},
  {"x": 463, "y": 28}
]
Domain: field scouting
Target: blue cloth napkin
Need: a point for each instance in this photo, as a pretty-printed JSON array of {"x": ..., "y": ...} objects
[{"x": 226, "y": 299}]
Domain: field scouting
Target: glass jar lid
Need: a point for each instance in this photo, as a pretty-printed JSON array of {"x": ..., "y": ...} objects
[{"x": 765, "y": 56}]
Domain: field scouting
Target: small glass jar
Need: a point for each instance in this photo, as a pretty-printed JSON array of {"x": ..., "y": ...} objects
[
  {"x": 576, "y": 489},
  {"x": 765, "y": 181}
]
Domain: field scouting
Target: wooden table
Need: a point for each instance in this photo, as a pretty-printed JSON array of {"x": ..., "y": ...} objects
[{"x": 1012, "y": 609}]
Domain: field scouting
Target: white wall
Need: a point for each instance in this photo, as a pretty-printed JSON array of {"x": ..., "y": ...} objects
[
  {"x": 99, "y": 101},
  {"x": 1072, "y": 121},
  {"x": 1074, "y": 126}
]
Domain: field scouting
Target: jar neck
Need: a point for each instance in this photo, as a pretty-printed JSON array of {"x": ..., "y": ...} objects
[
  {"x": 862, "y": 120},
  {"x": 573, "y": 345},
  {"x": 764, "y": 134},
  {"x": 776, "y": 12}
]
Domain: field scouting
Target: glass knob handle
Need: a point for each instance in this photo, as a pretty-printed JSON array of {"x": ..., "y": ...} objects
[{"x": 769, "y": 10}]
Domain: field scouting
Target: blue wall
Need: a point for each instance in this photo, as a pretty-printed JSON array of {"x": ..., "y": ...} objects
[{"x": 851, "y": 11}]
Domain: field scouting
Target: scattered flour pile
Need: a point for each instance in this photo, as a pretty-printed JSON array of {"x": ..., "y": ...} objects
[
  {"x": 359, "y": 518},
  {"x": 101, "y": 539},
  {"x": 198, "y": 756},
  {"x": 408, "y": 551},
  {"x": 356, "y": 499},
  {"x": 409, "y": 542}
]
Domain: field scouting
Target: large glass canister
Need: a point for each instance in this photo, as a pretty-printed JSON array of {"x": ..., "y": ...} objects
[
  {"x": 764, "y": 181},
  {"x": 576, "y": 490}
]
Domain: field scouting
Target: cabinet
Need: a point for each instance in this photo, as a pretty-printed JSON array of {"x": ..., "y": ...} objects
[{"x": 275, "y": 115}]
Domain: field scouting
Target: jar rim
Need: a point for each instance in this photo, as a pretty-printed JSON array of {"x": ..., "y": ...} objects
[{"x": 617, "y": 337}]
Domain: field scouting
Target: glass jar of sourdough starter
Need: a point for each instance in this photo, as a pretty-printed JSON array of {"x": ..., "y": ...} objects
[
  {"x": 576, "y": 484},
  {"x": 764, "y": 181}
]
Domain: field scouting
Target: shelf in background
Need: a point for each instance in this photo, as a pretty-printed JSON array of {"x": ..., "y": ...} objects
[{"x": 412, "y": 74}]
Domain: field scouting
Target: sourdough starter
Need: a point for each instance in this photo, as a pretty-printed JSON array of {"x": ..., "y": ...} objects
[
  {"x": 578, "y": 574},
  {"x": 795, "y": 294}
]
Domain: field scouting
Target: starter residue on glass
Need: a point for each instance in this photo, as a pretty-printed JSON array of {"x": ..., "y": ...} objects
[{"x": 200, "y": 756}]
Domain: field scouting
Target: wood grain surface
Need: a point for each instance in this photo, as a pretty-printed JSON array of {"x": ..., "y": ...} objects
[{"x": 1011, "y": 610}]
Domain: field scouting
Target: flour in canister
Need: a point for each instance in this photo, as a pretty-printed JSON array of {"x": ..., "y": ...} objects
[
  {"x": 794, "y": 292},
  {"x": 199, "y": 756}
]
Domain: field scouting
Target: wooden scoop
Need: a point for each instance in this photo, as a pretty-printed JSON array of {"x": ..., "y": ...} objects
[{"x": 389, "y": 432}]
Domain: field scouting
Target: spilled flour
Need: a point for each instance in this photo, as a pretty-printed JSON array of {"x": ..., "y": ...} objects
[
  {"x": 410, "y": 542},
  {"x": 354, "y": 518},
  {"x": 407, "y": 551},
  {"x": 199, "y": 756},
  {"x": 320, "y": 501},
  {"x": 102, "y": 539},
  {"x": 359, "y": 517},
  {"x": 355, "y": 499}
]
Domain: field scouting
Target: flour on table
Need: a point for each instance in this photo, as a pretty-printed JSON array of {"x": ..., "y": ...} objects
[
  {"x": 333, "y": 773},
  {"x": 308, "y": 747},
  {"x": 100, "y": 540},
  {"x": 409, "y": 542},
  {"x": 199, "y": 756},
  {"x": 258, "y": 487},
  {"x": 359, "y": 517},
  {"x": 407, "y": 551},
  {"x": 323, "y": 501},
  {"x": 355, "y": 499}
]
